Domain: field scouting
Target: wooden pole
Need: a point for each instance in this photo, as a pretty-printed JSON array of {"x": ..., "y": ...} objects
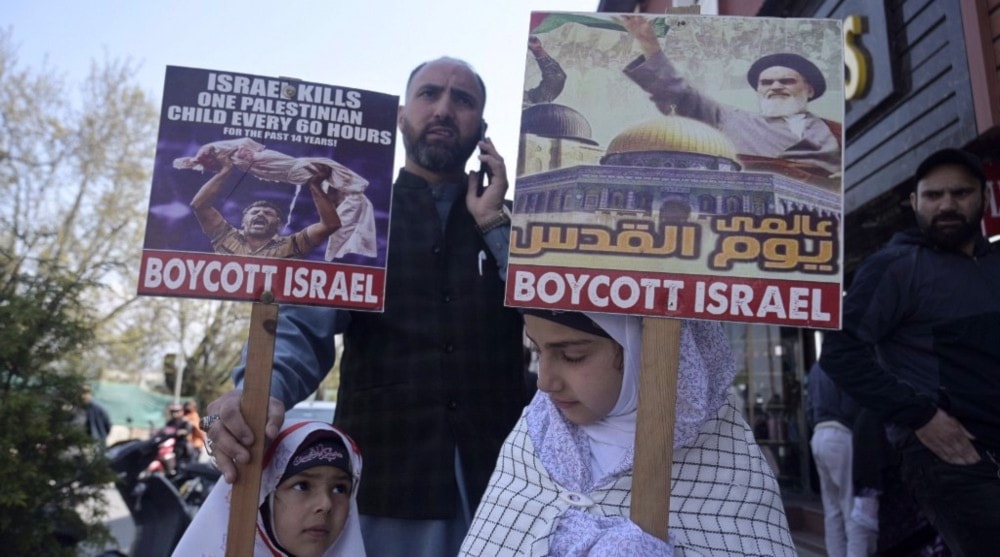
[
  {"x": 654, "y": 432},
  {"x": 253, "y": 405}
]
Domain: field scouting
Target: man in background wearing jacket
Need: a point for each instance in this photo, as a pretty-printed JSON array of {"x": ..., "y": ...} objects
[{"x": 920, "y": 346}]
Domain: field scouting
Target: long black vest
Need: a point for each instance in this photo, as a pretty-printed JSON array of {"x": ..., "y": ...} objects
[{"x": 441, "y": 367}]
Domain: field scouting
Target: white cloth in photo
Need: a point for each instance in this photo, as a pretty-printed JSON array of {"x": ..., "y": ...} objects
[
  {"x": 558, "y": 490},
  {"x": 206, "y": 535},
  {"x": 345, "y": 187}
]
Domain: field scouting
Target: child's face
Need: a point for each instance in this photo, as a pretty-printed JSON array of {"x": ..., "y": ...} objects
[
  {"x": 581, "y": 373},
  {"x": 310, "y": 509}
]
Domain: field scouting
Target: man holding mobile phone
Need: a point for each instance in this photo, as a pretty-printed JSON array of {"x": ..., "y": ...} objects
[
  {"x": 431, "y": 387},
  {"x": 484, "y": 169}
]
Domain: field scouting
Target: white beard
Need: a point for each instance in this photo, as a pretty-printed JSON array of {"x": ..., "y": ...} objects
[{"x": 782, "y": 106}]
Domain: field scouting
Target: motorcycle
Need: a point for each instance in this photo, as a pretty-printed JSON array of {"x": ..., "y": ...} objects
[
  {"x": 170, "y": 451},
  {"x": 161, "y": 503}
]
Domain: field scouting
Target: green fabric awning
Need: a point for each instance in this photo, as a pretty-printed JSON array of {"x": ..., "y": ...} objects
[{"x": 127, "y": 402}]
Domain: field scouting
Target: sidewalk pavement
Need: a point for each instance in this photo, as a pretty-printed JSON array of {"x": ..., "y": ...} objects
[{"x": 119, "y": 521}]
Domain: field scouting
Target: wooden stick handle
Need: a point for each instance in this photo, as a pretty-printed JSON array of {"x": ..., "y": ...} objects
[
  {"x": 253, "y": 405},
  {"x": 654, "y": 432}
]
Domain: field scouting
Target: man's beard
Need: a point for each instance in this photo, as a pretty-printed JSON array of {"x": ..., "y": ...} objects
[
  {"x": 950, "y": 237},
  {"x": 437, "y": 156},
  {"x": 783, "y": 106}
]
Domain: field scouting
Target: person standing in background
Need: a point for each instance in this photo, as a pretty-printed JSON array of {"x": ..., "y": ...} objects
[
  {"x": 96, "y": 419},
  {"x": 920, "y": 346},
  {"x": 833, "y": 413},
  {"x": 196, "y": 438}
]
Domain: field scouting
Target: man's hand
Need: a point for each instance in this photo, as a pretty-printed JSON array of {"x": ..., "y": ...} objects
[
  {"x": 326, "y": 205},
  {"x": 947, "y": 439},
  {"x": 320, "y": 173},
  {"x": 230, "y": 436},
  {"x": 484, "y": 207},
  {"x": 213, "y": 159},
  {"x": 642, "y": 30}
]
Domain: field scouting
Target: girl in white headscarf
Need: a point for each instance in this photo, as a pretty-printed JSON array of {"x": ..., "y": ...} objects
[
  {"x": 308, "y": 499},
  {"x": 563, "y": 482}
]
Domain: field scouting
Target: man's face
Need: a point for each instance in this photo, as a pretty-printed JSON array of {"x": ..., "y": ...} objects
[
  {"x": 261, "y": 222},
  {"x": 441, "y": 119},
  {"x": 782, "y": 91},
  {"x": 949, "y": 204}
]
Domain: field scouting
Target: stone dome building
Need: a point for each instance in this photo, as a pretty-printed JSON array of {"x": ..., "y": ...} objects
[{"x": 556, "y": 121}]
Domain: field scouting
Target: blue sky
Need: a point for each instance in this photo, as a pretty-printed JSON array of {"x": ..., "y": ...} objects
[{"x": 364, "y": 44}]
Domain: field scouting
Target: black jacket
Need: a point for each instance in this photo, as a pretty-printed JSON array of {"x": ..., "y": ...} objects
[
  {"x": 827, "y": 402},
  {"x": 921, "y": 331},
  {"x": 440, "y": 369}
]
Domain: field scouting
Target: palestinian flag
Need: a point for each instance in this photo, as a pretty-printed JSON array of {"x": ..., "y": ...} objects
[{"x": 542, "y": 22}]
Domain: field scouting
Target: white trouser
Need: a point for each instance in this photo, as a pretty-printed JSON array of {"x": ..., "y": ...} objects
[{"x": 833, "y": 452}]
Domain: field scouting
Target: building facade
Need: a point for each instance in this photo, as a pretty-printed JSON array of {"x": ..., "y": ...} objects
[{"x": 921, "y": 75}]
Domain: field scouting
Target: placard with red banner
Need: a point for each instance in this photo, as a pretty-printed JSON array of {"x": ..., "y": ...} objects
[
  {"x": 270, "y": 185},
  {"x": 681, "y": 166}
]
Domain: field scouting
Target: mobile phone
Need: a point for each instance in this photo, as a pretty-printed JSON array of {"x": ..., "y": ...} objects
[{"x": 484, "y": 169}]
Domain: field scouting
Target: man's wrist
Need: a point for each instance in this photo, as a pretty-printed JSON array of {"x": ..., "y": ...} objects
[{"x": 497, "y": 219}]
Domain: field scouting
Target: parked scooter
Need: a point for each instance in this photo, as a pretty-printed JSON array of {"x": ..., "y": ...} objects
[
  {"x": 162, "y": 505},
  {"x": 171, "y": 450}
]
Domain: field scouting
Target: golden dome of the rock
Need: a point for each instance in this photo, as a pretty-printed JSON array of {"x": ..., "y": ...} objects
[{"x": 673, "y": 134}]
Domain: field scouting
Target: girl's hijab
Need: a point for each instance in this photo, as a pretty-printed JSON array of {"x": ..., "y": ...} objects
[
  {"x": 206, "y": 534},
  {"x": 705, "y": 371},
  {"x": 612, "y": 437}
]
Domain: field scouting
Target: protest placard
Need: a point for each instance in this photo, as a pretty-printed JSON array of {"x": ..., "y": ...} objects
[
  {"x": 268, "y": 190},
  {"x": 685, "y": 167},
  {"x": 676, "y": 185},
  {"x": 232, "y": 214}
]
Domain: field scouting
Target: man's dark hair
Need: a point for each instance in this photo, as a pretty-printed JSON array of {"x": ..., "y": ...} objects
[
  {"x": 482, "y": 86},
  {"x": 265, "y": 203}
]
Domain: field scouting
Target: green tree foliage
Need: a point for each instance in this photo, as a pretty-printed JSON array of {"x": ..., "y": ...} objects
[
  {"x": 213, "y": 334},
  {"x": 74, "y": 179},
  {"x": 75, "y": 167},
  {"x": 75, "y": 170},
  {"x": 51, "y": 470}
]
